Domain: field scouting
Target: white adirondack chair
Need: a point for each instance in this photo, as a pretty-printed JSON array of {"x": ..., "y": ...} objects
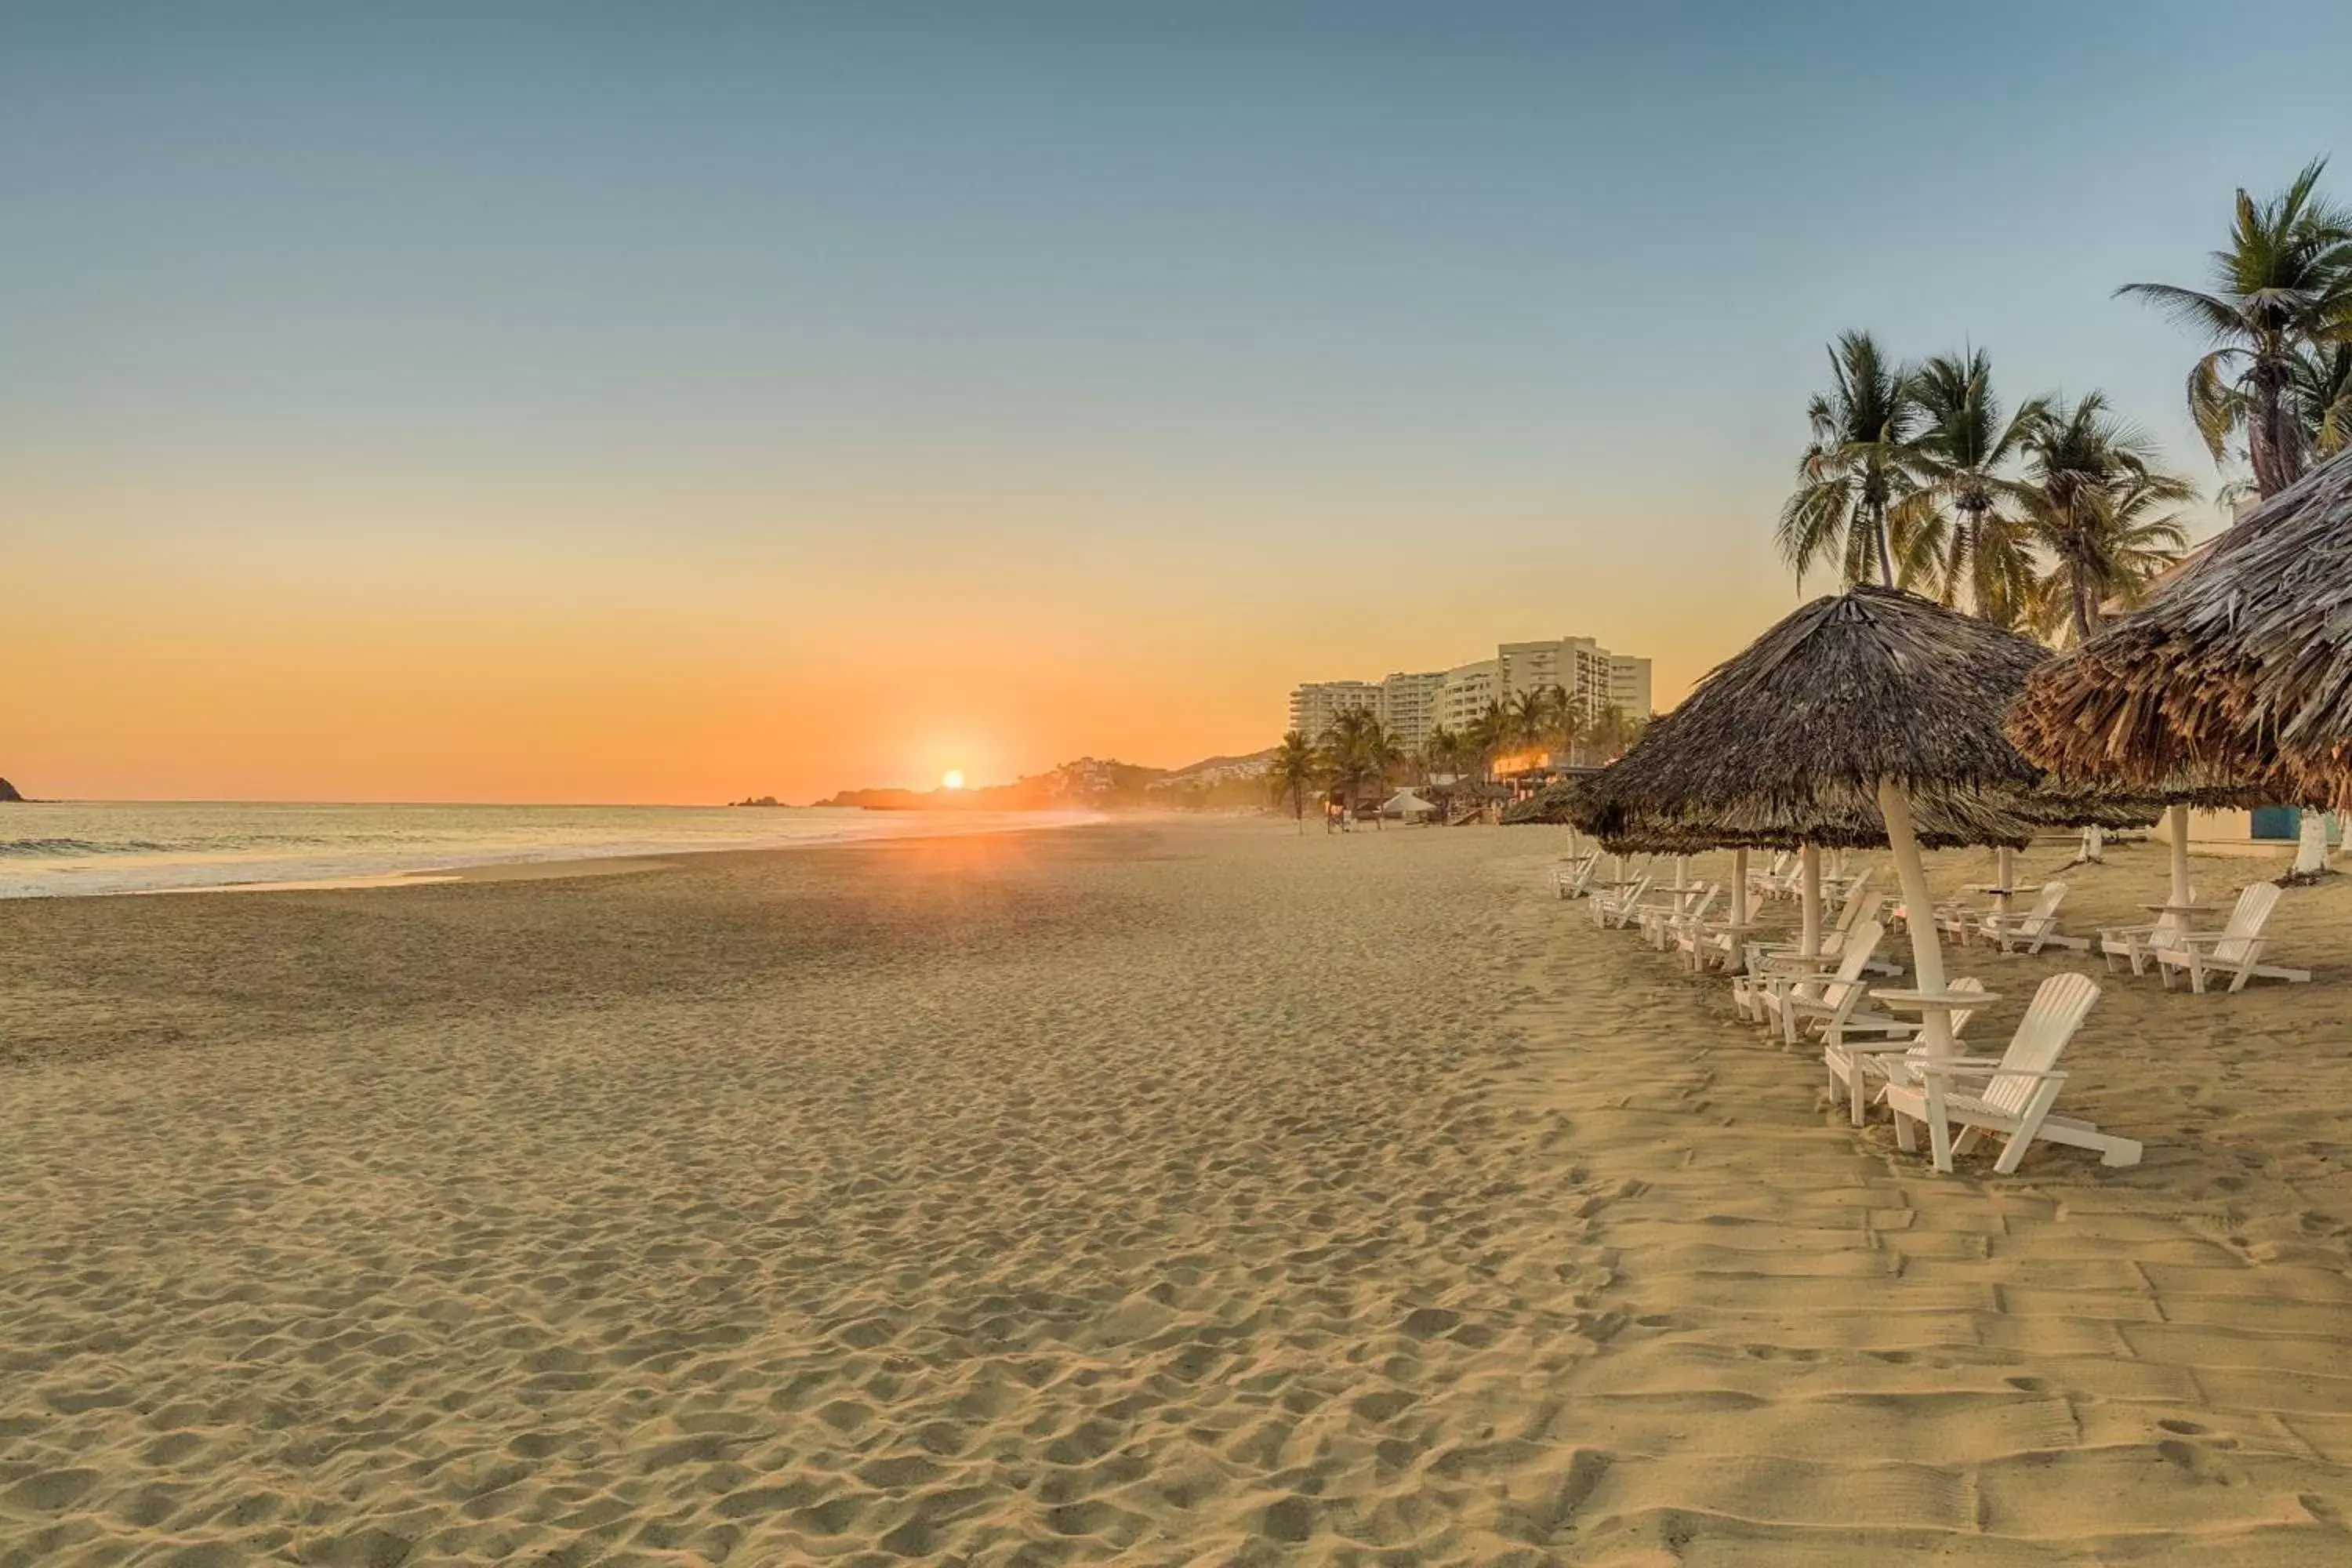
[
  {"x": 1678, "y": 930},
  {"x": 1575, "y": 879},
  {"x": 1961, "y": 921},
  {"x": 1865, "y": 1048},
  {"x": 1763, "y": 998},
  {"x": 1778, "y": 880},
  {"x": 2235, "y": 951},
  {"x": 1615, "y": 909},
  {"x": 2011, "y": 1097},
  {"x": 1829, "y": 1006},
  {"x": 1766, "y": 961},
  {"x": 2139, "y": 944},
  {"x": 1716, "y": 942},
  {"x": 1660, "y": 921},
  {"x": 1597, "y": 899},
  {"x": 2037, "y": 928},
  {"x": 1850, "y": 912}
]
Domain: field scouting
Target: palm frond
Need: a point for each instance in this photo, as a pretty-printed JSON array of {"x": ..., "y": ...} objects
[{"x": 2218, "y": 318}]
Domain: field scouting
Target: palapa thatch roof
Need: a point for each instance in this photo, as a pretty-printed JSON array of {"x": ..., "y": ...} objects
[
  {"x": 1785, "y": 743},
  {"x": 1550, "y": 805},
  {"x": 2012, "y": 820},
  {"x": 1939, "y": 824},
  {"x": 2235, "y": 682}
]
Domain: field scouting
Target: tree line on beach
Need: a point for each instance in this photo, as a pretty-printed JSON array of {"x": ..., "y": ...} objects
[
  {"x": 1352, "y": 763},
  {"x": 2048, "y": 515}
]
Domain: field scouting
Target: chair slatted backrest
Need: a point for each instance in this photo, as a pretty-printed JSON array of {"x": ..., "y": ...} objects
[
  {"x": 1860, "y": 943},
  {"x": 1850, "y": 912},
  {"x": 1706, "y": 901},
  {"x": 2057, "y": 1010},
  {"x": 1868, "y": 911},
  {"x": 1961, "y": 1016},
  {"x": 1629, "y": 898},
  {"x": 2252, "y": 913},
  {"x": 2045, "y": 907}
]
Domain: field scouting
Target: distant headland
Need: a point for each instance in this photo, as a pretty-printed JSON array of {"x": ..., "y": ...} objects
[
  {"x": 1089, "y": 783},
  {"x": 8, "y": 791}
]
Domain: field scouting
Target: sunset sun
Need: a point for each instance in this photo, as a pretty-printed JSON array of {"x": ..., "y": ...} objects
[{"x": 951, "y": 779}]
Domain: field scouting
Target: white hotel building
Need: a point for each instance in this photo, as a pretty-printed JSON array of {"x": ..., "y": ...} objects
[{"x": 1413, "y": 704}]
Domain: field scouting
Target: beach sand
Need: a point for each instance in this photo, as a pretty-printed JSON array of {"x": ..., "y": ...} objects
[{"x": 1166, "y": 1192}]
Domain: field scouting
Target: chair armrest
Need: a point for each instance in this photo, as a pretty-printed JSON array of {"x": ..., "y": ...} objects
[
  {"x": 1814, "y": 1004},
  {"x": 2207, "y": 938},
  {"x": 1963, "y": 1067}
]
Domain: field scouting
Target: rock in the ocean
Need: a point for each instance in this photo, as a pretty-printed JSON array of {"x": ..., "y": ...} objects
[{"x": 8, "y": 791}]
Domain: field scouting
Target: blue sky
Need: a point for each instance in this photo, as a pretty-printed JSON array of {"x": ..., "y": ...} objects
[{"x": 1347, "y": 337}]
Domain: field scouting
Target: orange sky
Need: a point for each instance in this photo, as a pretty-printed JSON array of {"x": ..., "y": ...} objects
[
  {"x": 236, "y": 635},
  {"x": 553, "y": 402}
]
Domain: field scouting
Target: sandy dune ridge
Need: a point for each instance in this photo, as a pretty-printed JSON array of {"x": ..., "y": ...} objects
[{"x": 1161, "y": 1195}]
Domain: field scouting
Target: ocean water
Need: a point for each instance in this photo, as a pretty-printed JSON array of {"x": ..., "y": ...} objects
[{"x": 50, "y": 849}]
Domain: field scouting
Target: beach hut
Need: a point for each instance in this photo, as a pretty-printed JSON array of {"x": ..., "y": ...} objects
[
  {"x": 2233, "y": 687},
  {"x": 1841, "y": 724}
]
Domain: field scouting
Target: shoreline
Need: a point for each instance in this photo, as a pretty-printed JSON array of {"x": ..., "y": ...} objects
[{"x": 525, "y": 866}]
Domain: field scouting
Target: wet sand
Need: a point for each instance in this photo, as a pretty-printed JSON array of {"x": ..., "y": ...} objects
[{"x": 1160, "y": 1194}]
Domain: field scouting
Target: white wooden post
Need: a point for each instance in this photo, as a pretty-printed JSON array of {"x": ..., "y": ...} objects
[
  {"x": 2176, "y": 825},
  {"x": 1927, "y": 950},
  {"x": 1809, "y": 911},
  {"x": 2311, "y": 844}
]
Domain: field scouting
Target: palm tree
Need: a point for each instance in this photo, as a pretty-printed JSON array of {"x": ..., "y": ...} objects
[
  {"x": 1439, "y": 749},
  {"x": 2321, "y": 387},
  {"x": 1292, "y": 773},
  {"x": 1565, "y": 728},
  {"x": 1614, "y": 731},
  {"x": 1961, "y": 527},
  {"x": 1382, "y": 756},
  {"x": 1357, "y": 750},
  {"x": 2128, "y": 541},
  {"x": 2281, "y": 286},
  {"x": 2095, "y": 488},
  {"x": 1530, "y": 716},
  {"x": 1488, "y": 733},
  {"x": 1858, "y": 465}
]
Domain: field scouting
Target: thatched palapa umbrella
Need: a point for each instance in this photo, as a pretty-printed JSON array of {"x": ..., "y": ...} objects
[
  {"x": 1837, "y": 719},
  {"x": 2233, "y": 685}
]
